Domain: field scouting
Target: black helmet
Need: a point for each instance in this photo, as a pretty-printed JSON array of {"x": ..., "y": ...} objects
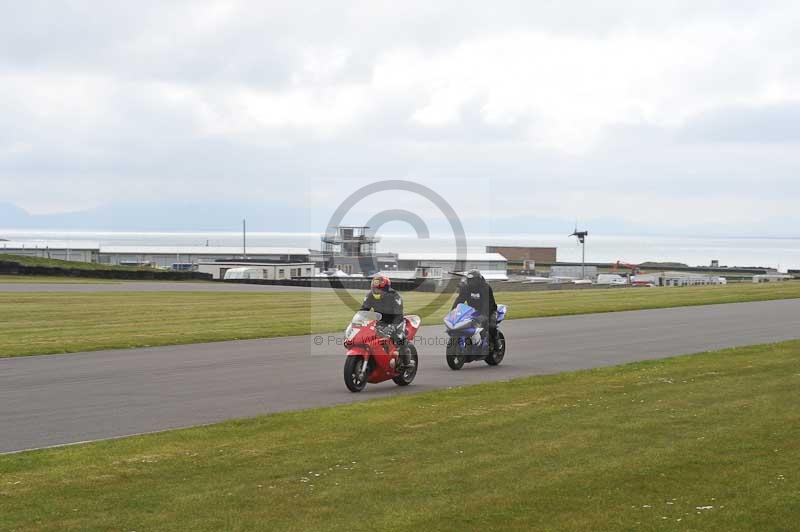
[{"x": 474, "y": 279}]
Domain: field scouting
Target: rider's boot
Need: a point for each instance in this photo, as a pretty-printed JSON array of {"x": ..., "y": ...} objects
[{"x": 404, "y": 355}]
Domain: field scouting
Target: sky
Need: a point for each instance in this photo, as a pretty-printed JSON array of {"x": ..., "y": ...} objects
[{"x": 676, "y": 116}]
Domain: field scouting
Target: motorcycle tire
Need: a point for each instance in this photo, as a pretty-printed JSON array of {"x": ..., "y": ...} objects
[
  {"x": 352, "y": 370},
  {"x": 407, "y": 377},
  {"x": 455, "y": 359},
  {"x": 496, "y": 356}
]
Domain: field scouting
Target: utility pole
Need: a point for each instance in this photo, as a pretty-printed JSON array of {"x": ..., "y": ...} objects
[
  {"x": 244, "y": 237},
  {"x": 581, "y": 236}
]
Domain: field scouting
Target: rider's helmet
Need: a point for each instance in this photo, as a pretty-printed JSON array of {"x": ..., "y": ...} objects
[
  {"x": 379, "y": 285},
  {"x": 474, "y": 279}
]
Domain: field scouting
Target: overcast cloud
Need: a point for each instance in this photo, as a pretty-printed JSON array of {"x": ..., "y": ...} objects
[{"x": 656, "y": 113}]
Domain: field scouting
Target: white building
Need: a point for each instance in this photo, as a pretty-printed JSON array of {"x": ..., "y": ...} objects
[
  {"x": 493, "y": 266},
  {"x": 772, "y": 278},
  {"x": 676, "y": 279},
  {"x": 258, "y": 270}
]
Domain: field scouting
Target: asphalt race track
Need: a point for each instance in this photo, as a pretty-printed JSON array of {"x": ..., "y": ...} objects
[{"x": 59, "y": 399}]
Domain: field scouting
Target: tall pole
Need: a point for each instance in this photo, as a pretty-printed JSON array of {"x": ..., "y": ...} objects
[
  {"x": 583, "y": 260},
  {"x": 581, "y": 236},
  {"x": 244, "y": 237}
]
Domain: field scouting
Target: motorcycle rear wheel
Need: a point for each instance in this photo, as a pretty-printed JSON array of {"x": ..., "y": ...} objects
[
  {"x": 495, "y": 357},
  {"x": 352, "y": 369},
  {"x": 407, "y": 377}
]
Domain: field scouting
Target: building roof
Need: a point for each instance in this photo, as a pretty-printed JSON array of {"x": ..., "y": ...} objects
[
  {"x": 50, "y": 244},
  {"x": 200, "y": 250},
  {"x": 449, "y": 257},
  {"x": 150, "y": 250}
]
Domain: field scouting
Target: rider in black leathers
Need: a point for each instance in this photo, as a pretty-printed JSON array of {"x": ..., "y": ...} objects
[
  {"x": 384, "y": 299},
  {"x": 477, "y": 293}
]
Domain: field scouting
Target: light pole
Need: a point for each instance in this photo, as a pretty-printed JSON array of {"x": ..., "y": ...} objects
[
  {"x": 244, "y": 237},
  {"x": 581, "y": 236}
]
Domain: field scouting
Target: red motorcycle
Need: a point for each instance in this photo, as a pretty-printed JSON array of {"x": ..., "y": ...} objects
[{"x": 373, "y": 357}]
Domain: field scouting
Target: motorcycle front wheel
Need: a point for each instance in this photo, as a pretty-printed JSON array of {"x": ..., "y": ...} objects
[
  {"x": 455, "y": 359},
  {"x": 353, "y": 367},
  {"x": 407, "y": 377}
]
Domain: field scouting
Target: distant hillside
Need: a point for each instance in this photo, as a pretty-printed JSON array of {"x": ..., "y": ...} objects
[{"x": 164, "y": 216}]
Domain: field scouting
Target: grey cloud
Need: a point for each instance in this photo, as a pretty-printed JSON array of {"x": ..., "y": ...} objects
[
  {"x": 752, "y": 124},
  {"x": 144, "y": 146}
]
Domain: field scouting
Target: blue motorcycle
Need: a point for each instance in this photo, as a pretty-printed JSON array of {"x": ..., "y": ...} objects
[{"x": 468, "y": 341}]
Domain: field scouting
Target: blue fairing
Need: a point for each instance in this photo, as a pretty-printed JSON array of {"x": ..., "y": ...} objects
[
  {"x": 459, "y": 321},
  {"x": 501, "y": 313}
]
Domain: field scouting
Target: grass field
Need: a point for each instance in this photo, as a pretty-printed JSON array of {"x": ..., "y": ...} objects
[
  {"x": 708, "y": 442},
  {"x": 40, "y": 323}
]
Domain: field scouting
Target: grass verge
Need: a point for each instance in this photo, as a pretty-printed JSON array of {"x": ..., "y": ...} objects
[
  {"x": 708, "y": 442},
  {"x": 43, "y": 323}
]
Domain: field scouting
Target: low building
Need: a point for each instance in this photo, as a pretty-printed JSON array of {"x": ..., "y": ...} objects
[
  {"x": 492, "y": 266},
  {"x": 676, "y": 279},
  {"x": 77, "y": 251},
  {"x": 263, "y": 270},
  {"x": 520, "y": 254},
  {"x": 772, "y": 278},
  {"x": 172, "y": 257},
  {"x": 574, "y": 272},
  {"x": 363, "y": 265},
  {"x": 167, "y": 256}
]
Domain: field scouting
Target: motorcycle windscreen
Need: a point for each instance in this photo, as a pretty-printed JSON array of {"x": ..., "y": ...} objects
[
  {"x": 459, "y": 317},
  {"x": 363, "y": 317}
]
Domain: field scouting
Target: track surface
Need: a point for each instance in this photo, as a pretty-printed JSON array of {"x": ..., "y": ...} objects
[{"x": 58, "y": 399}]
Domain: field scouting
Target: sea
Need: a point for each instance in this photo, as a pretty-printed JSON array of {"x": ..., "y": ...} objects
[{"x": 780, "y": 253}]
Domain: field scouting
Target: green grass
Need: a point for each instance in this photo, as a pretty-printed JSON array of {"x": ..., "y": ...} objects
[
  {"x": 41, "y": 323},
  {"x": 65, "y": 264},
  {"x": 708, "y": 442}
]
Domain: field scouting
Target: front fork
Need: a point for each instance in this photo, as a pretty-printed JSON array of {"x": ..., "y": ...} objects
[{"x": 363, "y": 373}]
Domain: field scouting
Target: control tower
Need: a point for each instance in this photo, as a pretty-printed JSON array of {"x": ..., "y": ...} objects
[
  {"x": 352, "y": 249},
  {"x": 349, "y": 241}
]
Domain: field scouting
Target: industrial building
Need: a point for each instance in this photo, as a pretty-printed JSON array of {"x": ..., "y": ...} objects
[
  {"x": 78, "y": 251},
  {"x": 772, "y": 278},
  {"x": 521, "y": 254},
  {"x": 573, "y": 272},
  {"x": 493, "y": 266},
  {"x": 167, "y": 256},
  {"x": 174, "y": 257},
  {"x": 676, "y": 279}
]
